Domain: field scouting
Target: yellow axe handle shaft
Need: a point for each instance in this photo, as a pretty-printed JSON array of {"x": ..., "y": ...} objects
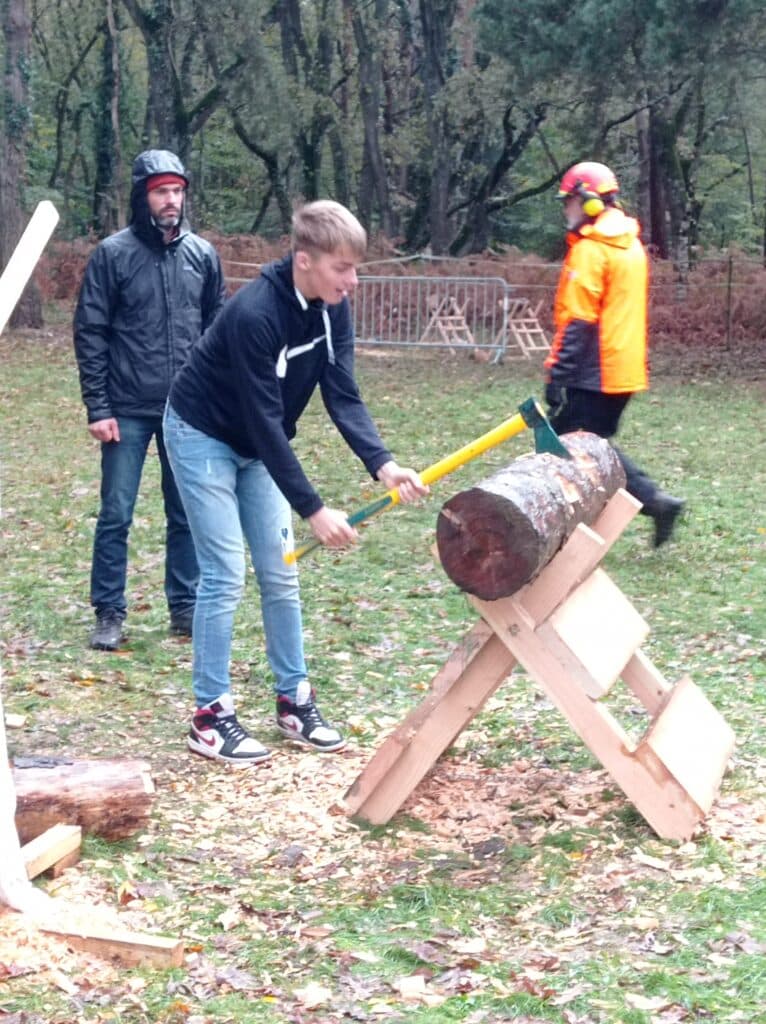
[
  {"x": 501, "y": 433},
  {"x": 436, "y": 471}
]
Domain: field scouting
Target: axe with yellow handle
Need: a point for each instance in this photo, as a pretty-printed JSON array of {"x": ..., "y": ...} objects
[{"x": 530, "y": 414}]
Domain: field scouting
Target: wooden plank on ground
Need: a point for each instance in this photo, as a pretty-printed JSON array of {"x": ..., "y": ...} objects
[
  {"x": 132, "y": 949},
  {"x": 57, "y": 847}
]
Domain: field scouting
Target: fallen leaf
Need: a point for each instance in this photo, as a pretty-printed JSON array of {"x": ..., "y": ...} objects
[
  {"x": 411, "y": 987},
  {"x": 477, "y": 944},
  {"x": 651, "y": 862},
  {"x": 707, "y": 876},
  {"x": 229, "y": 918},
  {"x": 317, "y": 932},
  {"x": 313, "y": 995},
  {"x": 62, "y": 981},
  {"x": 639, "y": 1002}
]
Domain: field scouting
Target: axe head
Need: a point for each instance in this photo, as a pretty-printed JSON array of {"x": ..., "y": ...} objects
[{"x": 546, "y": 438}]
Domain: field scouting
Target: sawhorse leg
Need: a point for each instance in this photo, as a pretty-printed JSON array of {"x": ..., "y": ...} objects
[{"x": 465, "y": 682}]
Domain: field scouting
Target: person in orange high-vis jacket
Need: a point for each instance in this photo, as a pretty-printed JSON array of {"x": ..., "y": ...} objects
[{"x": 598, "y": 357}]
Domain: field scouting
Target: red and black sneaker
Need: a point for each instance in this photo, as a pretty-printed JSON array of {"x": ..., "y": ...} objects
[
  {"x": 303, "y": 723},
  {"x": 216, "y": 733}
]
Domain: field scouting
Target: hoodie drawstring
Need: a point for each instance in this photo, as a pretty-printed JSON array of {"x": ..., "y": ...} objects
[
  {"x": 286, "y": 353},
  {"x": 328, "y": 335}
]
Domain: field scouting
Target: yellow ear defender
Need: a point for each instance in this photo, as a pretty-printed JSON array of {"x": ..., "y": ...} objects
[{"x": 593, "y": 206}]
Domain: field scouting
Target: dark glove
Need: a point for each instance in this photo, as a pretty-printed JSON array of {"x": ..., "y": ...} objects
[{"x": 554, "y": 396}]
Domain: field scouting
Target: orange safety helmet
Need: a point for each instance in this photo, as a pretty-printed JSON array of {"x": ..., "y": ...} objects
[{"x": 592, "y": 182}]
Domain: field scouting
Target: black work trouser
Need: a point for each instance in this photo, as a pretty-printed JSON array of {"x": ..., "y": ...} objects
[{"x": 600, "y": 414}]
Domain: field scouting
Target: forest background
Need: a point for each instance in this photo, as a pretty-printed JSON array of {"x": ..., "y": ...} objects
[
  {"x": 518, "y": 880},
  {"x": 444, "y": 124}
]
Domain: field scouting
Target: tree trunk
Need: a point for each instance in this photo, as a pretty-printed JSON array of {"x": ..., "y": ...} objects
[
  {"x": 474, "y": 236},
  {"x": 107, "y": 199},
  {"x": 643, "y": 146},
  {"x": 109, "y": 798},
  {"x": 340, "y": 165},
  {"x": 165, "y": 106},
  {"x": 498, "y": 535},
  {"x": 370, "y": 54},
  {"x": 658, "y": 221},
  {"x": 278, "y": 175},
  {"x": 176, "y": 110},
  {"x": 436, "y": 18},
  {"x": 17, "y": 117},
  {"x": 310, "y": 69}
]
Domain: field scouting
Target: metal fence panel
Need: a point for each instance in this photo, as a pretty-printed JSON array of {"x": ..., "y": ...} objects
[{"x": 428, "y": 312}]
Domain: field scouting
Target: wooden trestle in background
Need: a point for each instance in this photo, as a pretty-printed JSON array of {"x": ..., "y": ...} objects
[{"x": 576, "y": 634}]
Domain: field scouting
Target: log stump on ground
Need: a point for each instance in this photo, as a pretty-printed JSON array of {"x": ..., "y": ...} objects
[{"x": 109, "y": 797}]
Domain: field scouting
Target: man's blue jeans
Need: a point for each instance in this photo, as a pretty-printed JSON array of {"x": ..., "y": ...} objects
[
  {"x": 121, "y": 465},
  {"x": 226, "y": 496}
]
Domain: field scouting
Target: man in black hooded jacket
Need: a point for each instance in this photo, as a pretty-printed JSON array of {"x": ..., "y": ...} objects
[{"x": 148, "y": 294}]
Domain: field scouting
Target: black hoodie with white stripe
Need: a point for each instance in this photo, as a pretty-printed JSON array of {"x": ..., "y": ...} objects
[{"x": 255, "y": 370}]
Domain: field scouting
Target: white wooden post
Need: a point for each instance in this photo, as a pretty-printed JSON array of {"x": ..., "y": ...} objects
[{"x": 15, "y": 888}]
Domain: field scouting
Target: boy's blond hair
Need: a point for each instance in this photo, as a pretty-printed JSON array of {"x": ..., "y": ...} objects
[{"x": 325, "y": 226}]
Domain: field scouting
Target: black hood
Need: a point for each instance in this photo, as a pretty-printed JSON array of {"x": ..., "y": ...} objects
[
  {"x": 147, "y": 164},
  {"x": 280, "y": 273}
]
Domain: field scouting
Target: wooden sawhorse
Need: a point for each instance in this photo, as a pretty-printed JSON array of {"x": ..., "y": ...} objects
[
  {"x": 448, "y": 323},
  {"x": 576, "y": 634}
]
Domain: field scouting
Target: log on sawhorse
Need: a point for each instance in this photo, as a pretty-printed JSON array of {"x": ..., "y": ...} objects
[{"x": 576, "y": 634}]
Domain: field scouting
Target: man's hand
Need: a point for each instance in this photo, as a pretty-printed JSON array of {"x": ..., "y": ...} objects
[
  {"x": 411, "y": 487},
  {"x": 554, "y": 396},
  {"x": 331, "y": 527},
  {"x": 105, "y": 430}
]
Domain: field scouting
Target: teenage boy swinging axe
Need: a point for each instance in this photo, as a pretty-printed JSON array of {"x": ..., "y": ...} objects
[{"x": 530, "y": 415}]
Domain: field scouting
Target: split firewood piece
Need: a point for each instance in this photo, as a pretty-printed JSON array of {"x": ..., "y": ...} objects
[{"x": 56, "y": 849}]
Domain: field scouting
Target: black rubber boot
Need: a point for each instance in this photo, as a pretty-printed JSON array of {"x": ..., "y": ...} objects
[{"x": 664, "y": 510}]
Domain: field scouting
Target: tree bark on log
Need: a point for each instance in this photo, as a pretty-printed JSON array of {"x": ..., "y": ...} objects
[
  {"x": 111, "y": 798},
  {"x": 495, "y": 537}
]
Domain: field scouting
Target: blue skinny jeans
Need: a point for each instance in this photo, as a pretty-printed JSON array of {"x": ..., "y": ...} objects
[{"x": 230, "y": 499}]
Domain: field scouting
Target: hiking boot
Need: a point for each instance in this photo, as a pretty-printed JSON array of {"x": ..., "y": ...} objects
[
  {"x": 216, "y": 733},
  {"x": 181, "y": 622},
  {"x": 665, "y": 509},
  {"x": 108, "y": 632},
  {"x": 303, "y": 723}
]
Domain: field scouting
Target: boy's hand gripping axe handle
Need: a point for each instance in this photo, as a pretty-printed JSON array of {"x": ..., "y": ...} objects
[{"x": 530, "y": 414}]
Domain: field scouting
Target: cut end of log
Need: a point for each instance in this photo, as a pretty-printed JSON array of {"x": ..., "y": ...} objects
[
  {"x": 473, "y": 547},
  {"x": 498, "y": 535}
]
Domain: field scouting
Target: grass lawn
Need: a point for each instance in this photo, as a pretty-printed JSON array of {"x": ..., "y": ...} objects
[{"x": 517, "y": 883}]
